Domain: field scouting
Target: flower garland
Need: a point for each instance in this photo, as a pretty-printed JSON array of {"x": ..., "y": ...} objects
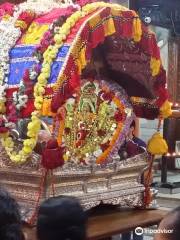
[
  {"x": 39, "y": 89},
  {"x": 12, "y": 29},
  {"x": 9, "y": 36},
  {"x": 45, "y": 6},
  {"x": 20, "y": 97}
]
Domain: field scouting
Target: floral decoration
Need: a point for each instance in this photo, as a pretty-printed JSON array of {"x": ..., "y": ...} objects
[
  {"x": 91, "y": 128},
  {"x": 35, "y": 80},
  {"x": 39, "y": 89}
]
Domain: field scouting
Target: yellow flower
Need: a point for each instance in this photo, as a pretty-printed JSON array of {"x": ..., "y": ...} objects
[
  {"x": 71, "y": 22},
  {"x": 39, "y": 99},
  {"x": 35, "y": 118},
  {"x": 27, "y": 149},
  {"x": 30, "y": 143},
  {"x": 46, "y": 69},
  {"x": 38, "y": 106},
  {"x": 45, "y": 54},
  {"x": 66, "y": 25},
  {"x": 41, "y": 77},
  {"x": 58, "y": 38}
]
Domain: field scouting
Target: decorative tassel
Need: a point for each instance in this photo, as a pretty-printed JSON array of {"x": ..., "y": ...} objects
[
  {"x": 109, "y": 27},
  {"x": 155, "y": 65},
  {"x": 157, "y": 145},
  {"x": 165, "y": 110},
  {"x": 137, "y": 29}
]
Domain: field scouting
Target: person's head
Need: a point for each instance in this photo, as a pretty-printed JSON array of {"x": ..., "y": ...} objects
[
  {"x": 169, "y": 228},
  {"x": 61, "y": 218},
  {"x": 132, "y": 129},
  {"x": 10, "y": 220}
]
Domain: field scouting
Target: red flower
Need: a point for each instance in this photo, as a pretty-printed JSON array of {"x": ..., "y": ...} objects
[
  {"x": 26, "y": 111},
  {"x": 44, "y": 43},
  {"x": 12, "y": 114},
  {"x": 118, "y": 116},
  {"x": 27, "y": 17},
  {"x": 47, "y": 35},
  {"x": 26, "y": 76},
  {"x": 29, "y": 89},
  {"x": 104, "y": 146},
  {"x": 3, "y": 130}
]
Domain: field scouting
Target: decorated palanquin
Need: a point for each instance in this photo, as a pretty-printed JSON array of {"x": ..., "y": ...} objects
[{"x": 73, "y": 76}]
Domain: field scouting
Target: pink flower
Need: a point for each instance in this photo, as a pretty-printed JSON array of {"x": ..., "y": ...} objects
[
  {"x": 6, "y": 8},
  {"x": 47, "y": 35},
  {"x": 26, "y": 76}
]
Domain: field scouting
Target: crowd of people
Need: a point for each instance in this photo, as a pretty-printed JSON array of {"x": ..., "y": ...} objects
[
  {"x": 63, "y": 218},
  {"x": 58, "y": 218}
]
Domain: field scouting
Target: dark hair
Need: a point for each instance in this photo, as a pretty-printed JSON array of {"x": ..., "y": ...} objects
[
  {"x": 133, "y": 124},
  {"x": 175, "y": 225},
  {"x": 10, "y": 220},
  {"x": 61, "y": 218}
]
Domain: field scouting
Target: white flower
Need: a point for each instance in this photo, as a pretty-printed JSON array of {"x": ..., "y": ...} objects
[
  {"x": 15, "y": 97},
  {"x": 10, "y": 125},
  {"x": 97, "y": 153},
  {"x": 33, "y": 75}
]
